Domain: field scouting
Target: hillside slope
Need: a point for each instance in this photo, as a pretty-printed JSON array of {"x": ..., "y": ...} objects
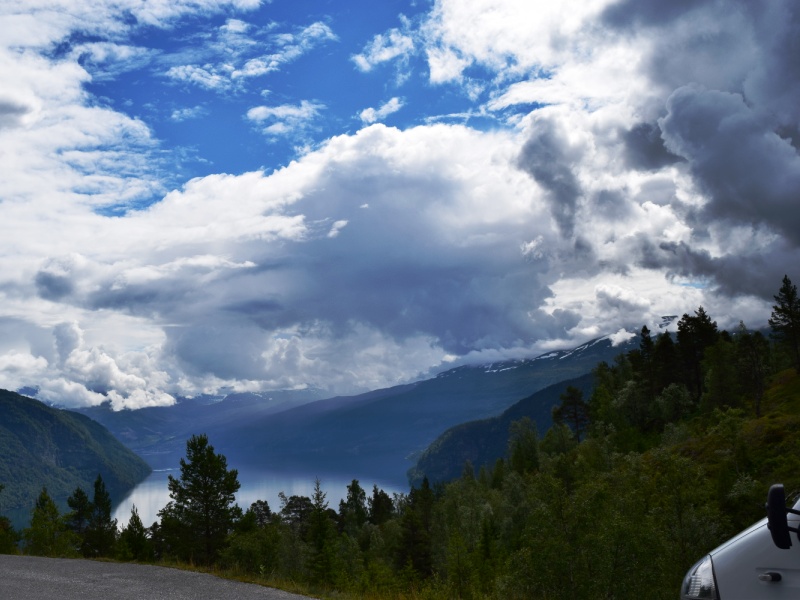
[
  {"x": 482, "y": 442},
  {"x": 59, "y": 449}
]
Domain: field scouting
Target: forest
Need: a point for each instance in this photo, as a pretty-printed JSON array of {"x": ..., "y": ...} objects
[{"x": 671, "y": 454}]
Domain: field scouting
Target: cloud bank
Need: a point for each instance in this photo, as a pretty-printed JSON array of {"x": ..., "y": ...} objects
[{"x": 644, "y": 160}]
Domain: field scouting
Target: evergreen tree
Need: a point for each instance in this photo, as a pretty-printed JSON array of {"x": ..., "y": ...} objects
[
  {"x": 380, "y": 506},
  {"x": 202, "y": 508},
  {"x": 523, "y": 446},
  {"x": 78, "y": 518},
  {"x": 322, "y": 536},
  {"x": 666, "y": 362},
  {"x": 353, "y": 509},
  {"x": 295, "y": 512},
  {"x": 752, "y": 351},
  {"x": 101, "y": 529},
  {"x": 48, "y": 534},
  {"x": 785, "y": 319},
  {"x": 414, "y": 550},
  {"x": 646, "y": 368},
  {"x": 695, "y": 334},
  {"x": 261, "y": 512},
  {"x": 573, "y": 411},
  {"x": 134, "y": 542}
]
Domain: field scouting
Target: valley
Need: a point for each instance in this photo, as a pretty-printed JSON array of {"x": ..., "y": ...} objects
[{"x": 379, "y": 434}]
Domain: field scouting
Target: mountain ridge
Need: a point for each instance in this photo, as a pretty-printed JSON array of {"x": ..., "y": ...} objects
[
  {"x": 483, "y": 441},
  {"x": 60, "y": 449}
]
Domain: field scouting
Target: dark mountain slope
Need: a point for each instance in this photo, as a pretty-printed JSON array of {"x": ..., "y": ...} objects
[
  {"x": 483, "y": 442},
  {"x": 383, "y": 430},
  {"x": 44, "y": 446}
]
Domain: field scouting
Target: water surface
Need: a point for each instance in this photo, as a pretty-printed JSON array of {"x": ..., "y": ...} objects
[{"x": 152, "y": 494}]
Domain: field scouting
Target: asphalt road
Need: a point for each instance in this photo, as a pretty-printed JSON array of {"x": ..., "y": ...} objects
[{"x": 34, "y": 578}]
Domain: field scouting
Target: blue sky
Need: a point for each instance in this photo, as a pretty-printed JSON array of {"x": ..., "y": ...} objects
[
  {"x": 202, "y": 196},
  {"x": 315, "y": 69}
]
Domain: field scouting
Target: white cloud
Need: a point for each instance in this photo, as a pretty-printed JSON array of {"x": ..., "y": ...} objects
[
  {"x": 38, "y": 24},
  {"x": 507, "y": 36},
  {"x": 373, "y": 115},
  {"x": 383, "y": 48},
  {"x": 445, "y": 64},
  {"x": 337, "y": 227},
  {"x": 621, "y": 336},
  {"x": 185, "y": 114},
  {"x": 108, "y": 60},
  {"x": 236, "y": 54},
  {"x": 205, "y": 77},
  {"x": 286, "y": 119}
]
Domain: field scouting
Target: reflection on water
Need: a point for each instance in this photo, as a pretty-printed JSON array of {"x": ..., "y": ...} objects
[{"x": 152, "y": 494}]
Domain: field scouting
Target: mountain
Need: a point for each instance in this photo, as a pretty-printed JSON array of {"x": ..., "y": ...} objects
[
  {"x": 482, "y": 442},
  {"x": 379, "y": 432},
  {"x": 159, "y": 433},
  {"x": 375, "y": 433},
  {"x": 59, "y": 449}
]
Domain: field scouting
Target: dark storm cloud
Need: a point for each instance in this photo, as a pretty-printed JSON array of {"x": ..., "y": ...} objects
[
  {"x": 775, "y": 82},
  {"x": 644, "y": 148},
  {"x": 750, "y": 174},
  {"x": 139, "y": 300},
  {"x": 631, "y": 13},
  {"x": 548, "y": 158},
  {"x": 53, "y": 286},
  {"x": 757, "y": 275},
  {"x": 226, "y": 349},
  {"x": 729, "y": 75},
  {"x": 256, "y": 307},
  {"x": 468, "y": 305}
]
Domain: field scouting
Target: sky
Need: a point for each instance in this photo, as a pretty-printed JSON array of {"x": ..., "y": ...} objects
[{"x": 208, "y": 196}]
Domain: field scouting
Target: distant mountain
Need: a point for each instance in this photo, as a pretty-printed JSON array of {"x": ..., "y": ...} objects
[
  {"x": 159, "y": 433},
  {"x": 483, "y": 442},
  {"x": 59, "y": 449},
  {"x": 383, "y": 430}
]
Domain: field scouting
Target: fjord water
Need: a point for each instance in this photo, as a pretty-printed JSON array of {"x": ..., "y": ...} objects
[{"x": 152, "y": 494}]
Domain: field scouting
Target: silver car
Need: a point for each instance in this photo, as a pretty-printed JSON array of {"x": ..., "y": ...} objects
[{"x": 760, "y": 562}]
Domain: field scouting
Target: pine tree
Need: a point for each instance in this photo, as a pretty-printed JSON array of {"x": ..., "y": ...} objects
[
  {"x": 261, "y": 513},
  {"x": 666, "y": 362},
  {"x": 321, "y": 536},
  {"x": 752, "y": 359},
  {"x": 353, "y": 509},
  {"x": 202, "y": 508},
  {"x": 78, "y": 518},
  {"x": 133, "y": 539},
  {"x": 48, "y": 534},
  {"x": 695, "y": 334},
  {"x": 573, "y": 411},
  {"x": 380, "y": 506},
  {"x": 523, "y": 446},
  {"x": 415, "y": 549},
  {"x": 785, "y": 319},
  {"x": 101, "y": 530}
]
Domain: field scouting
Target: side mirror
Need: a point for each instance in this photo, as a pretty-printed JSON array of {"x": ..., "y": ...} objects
[{"x": 776, "y": 517}]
